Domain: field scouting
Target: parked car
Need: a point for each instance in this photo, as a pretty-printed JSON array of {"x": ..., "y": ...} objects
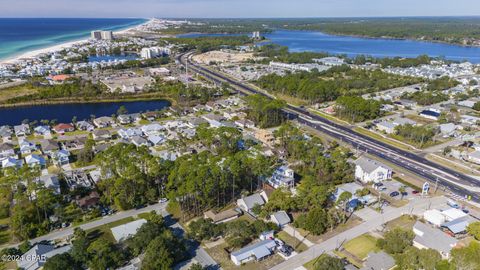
[
  {"x": 404, "y": 193},
  {"x": 382, "y": 188},
  {"x": 415, "y": 192},
  {"x": 394, "y": 194},
  {"x": 286, "y": 250},
  {"x": 163, "y": 200}
]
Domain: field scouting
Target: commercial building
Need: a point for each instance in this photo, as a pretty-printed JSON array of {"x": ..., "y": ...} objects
[
  {"x": 368, "y": 170},
  {"x": 152, "y": 52},
  {"x": 102, "y": 35}
]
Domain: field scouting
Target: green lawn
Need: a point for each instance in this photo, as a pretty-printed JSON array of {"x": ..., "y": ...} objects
[
  {"x": 361, "y": 246},
  {"x": 290, "y": 240},
  {"x": 404, "y": 221},
  {"x": 104, "y": 230},
  {"x": 380, "y": 138}
]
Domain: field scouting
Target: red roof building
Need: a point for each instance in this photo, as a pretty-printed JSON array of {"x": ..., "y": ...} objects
[{"x": 62, "y": 128}]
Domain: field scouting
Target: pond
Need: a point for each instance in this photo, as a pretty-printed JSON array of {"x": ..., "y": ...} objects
[{"x": 65, "y": 112}]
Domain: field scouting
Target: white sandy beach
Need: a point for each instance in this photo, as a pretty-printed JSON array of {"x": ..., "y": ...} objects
[{"x": 58, "y": 47}]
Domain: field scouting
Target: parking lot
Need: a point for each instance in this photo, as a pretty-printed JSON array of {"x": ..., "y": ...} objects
[{"x": 391, "y": 186}]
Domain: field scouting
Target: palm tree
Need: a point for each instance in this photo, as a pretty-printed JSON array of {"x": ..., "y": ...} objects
[{"x": 402, "y": 190}]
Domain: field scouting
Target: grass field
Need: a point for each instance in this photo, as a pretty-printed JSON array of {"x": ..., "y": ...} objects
[
  {"x": 330, "y": 117},
  {"x": 404, "y": 221},
  {"x": 5, "y": 233},
  {"x": 13, "y": 92},
  {"x": 361, "y": 246}
]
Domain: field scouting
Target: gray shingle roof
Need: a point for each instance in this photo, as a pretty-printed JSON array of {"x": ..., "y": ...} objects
[
  {"x": 379, "y": 261},
  {"x": 369, "y": 165},
  {"x": 433, "y": 238},
  {"x": 251, "y": 200}
]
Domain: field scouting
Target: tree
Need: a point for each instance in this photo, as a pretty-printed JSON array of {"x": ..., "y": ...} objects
[
  {"x": 327, "y": 262},
  {"x": 396, "y": 240},
  {"x": 466, "y": 258},
  {"x": 344, "y": 198},
  {"x": 316, "y": 221},
  {"x": 122, "y": 110},
  {"x": 414, "y": 258},
  {"x": 79, "y": 247},
  {"x": 265, "y": 112},
  {"x": 157, "y": 256},
  {"x": 103, "y": 255},
  {"x": 196, "y": 266},
  {"x": 146, "y": 233},
  {"x": 476, "y": 106},
  {"x": 62, "y": 261},
  {"x": 402, "y": 190},
  {"x": 474, "y": 229},
  {"x": 203, "y": 229}
]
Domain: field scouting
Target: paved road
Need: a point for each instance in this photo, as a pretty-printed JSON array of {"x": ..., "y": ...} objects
[
  {"x": 447, "y": 179},
  {"x": 416, "y": 206},
  {"x": 62, "y": 233},
  {"x": 197, "y": 252}
]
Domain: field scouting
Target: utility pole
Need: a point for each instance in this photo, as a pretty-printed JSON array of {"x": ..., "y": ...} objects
[{"x": 436, "y": 185}]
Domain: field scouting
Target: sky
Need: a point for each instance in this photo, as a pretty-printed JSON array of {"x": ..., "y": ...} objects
[{"x": 236, "y": 8}]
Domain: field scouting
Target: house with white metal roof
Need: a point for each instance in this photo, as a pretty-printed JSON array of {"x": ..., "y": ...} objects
[
  {"x": 257, "y": 251},
  {"x": 369, "y": 170}
]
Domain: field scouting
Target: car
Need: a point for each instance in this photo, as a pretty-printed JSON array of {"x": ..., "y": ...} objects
[
  {"x": 404, "y": 193},
  {"x": 382, "y": 188},
  {"x": 415, "y": 192},
  {"x": 285, "y": 251},
  {"x": 465, "y": 211},
  {"x": 394, "y": 194},
  {"x": 163, "y": 200}
]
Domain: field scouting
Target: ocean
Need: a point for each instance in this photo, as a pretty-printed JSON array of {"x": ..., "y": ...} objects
[{"x": 18, "y": 36}]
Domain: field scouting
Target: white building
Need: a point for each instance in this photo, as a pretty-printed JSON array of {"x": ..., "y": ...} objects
[
  {"x": 255, "y": 251},
  {"x": 152, "y": 52},
  {"x": 368, "y": 170},
  {"x": 124, "y": 231},
  {"x": 102, "y": 35}
]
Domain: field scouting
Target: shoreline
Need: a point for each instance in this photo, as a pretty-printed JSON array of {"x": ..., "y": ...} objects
[
  {"x": 58, "y": 47},
  {"x": 62, "y": 101}
]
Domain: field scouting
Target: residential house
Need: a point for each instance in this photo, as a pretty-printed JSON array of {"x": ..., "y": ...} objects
[
  {"x": 151, "y": 116},
  {"x": 469, "y": 120},
  {"x": 5, "y": 133},
  {"x": 379, "y": 261},
  {"x": 125, "y": 119},
  {"x": 41, "y": 254},
  {"x": 85, "y": 126},
  {"x": 432, "y": 114},
  {"x": 152, "y": 129},
  {"x": 22, "y": 130},
  {"x": 282, "y": 177},
  {"x": 351, "y": 188},
  {"x": 49, "y": 147},
  {"x": 88, "y": 201},
  {"x": 7, "y": 150},
  {"x": 62, "y": 128},
  {"x": 474, "y": 157},
  {"x": 61, "y": 157},
  {"x": 77, "y": 178},
  {"x": 257, "y": 251},
  {"x": 194, "y": 122},
  {"x": 247, "y": 203},
  {"x": 103, "y": 122},
  {"x": 215, "y": 120},
  {"x": 429, "y": 237},
  {"x": 101, "y": 135},
  {"x": 42, "y": 131},
  {"x": 156, "y": 140},
  {"x": 27, "y": 147},
  {"x": 129, "y": 133},
  {"x": 280, "y": 218},
  {"x": 124, "y": 231},
  {"x": 10, "y": 162},
  {"x": 223, "y": 216},
  {"x": 368, "y": 170},
  {"x": 76, "y": 143},
  {"x": 265, "y": 136},
  {"x": 245, "y": 123},
  {"x": 50, "y": 181},
  {"x": 140, "y": 141},
  {"x": 389, "y": 126},
  {"x": 448, "y": 129},
  {"x": 35, "y": 161}
]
